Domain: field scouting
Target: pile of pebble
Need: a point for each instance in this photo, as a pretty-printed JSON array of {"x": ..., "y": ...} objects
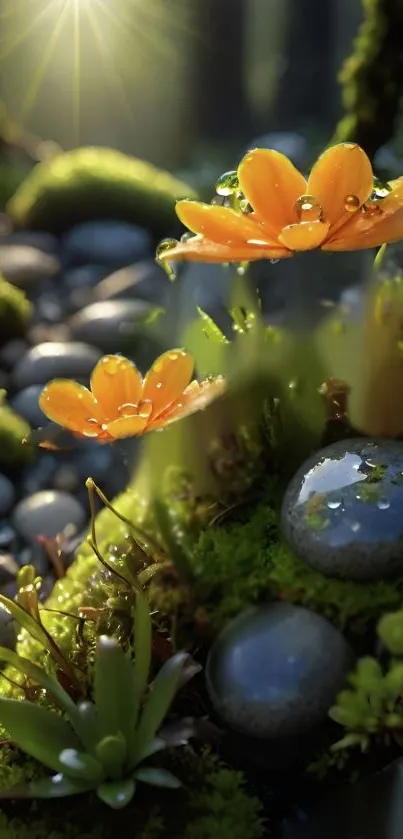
[{"x": 91, "y": 292}]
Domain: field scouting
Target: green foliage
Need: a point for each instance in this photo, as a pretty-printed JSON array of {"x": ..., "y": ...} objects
[
  {"x": 244, "y": 562},
  {"x": 390, "y": 631},
  {"x": 222, "y": 807},
  {"x": 13, "y": 429},
  {"x": 372, "y": 78},
  {"x": 94, "y": 183},
  {"x": 15, "y": 311},
  {"x": 102, "y": 744},
  {"x": 34, "y": 828},
  {"x": 373, "y": 708}
]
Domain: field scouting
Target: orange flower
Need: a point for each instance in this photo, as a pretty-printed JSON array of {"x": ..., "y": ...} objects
[
  {"x": 121, "y": 403},
  {"x": 332, "y": 210}
]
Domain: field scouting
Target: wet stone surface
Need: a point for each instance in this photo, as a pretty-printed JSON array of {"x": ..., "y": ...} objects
[
  {"x": 343, "y": 510},
  {"x": 274, "y": 671},
  {"x": 47, "y": 513}
]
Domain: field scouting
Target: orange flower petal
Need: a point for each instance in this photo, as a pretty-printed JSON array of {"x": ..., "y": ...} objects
[
  {"x": 196, "y": 396},
  {"x": 72, "y": 406},
  {"x": 342, "y": 172},
  {"x": 167, "y": 379},
  {"x": 126, "y": 427},
  {"x": 198, "y": 249},
  {"x": 272, "y": 185},
  {"x": 116, "y": 382},
  {"x": 381, "y": 223},
  {"x": 220, "y": 224},
  {"x": 304, "y": 236}
]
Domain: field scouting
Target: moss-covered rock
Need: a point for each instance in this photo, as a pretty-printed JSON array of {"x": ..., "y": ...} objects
[
  {"x": 95, "y": 183},
  {"x": 15, "y": 311},
  {"x": 13, "y": 429}
]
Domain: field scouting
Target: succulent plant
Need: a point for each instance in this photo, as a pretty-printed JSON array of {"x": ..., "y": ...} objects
[{"x": 101, "y": 743}]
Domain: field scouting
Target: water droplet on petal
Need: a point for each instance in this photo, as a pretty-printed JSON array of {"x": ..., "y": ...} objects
[
  {"x": 186, "y": 236},
  {"x": 355, "y": 526},
  {"x": 380, "y": 190},
  {"x": 333, "y": 504},
  {"x": 228, "y": 183},
  {"x": 163, "y": 247},
  {"x": 274, "y": 261},
  {"x": 351, "y": 203},
  {"x": 145, "y": 408},
  {"x": 129, "y": 409},
  {"x": 383, "y": 504},
  {"x": 308, "y": 208}
]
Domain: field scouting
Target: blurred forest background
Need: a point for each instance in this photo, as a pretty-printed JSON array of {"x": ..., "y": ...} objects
[{"x": 172, "y": 80}]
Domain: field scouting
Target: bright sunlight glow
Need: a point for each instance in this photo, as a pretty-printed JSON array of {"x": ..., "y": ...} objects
[{"x": 73, "y": 42}]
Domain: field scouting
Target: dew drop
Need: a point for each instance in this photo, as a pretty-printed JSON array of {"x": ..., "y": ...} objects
[
  {"x": 383, "y": 504},
  {"x": 380, "y": 190},
  {"x": 128, "y": 409},
  {"x": 92, "y": 421},
  {"x": 228, "y": 183},
  {"x": 145, "y": 408},
  {"x": 351, "y": 203},
  {"x": 308, "y": 208},
  {"x": 186, "y": 236},
  {"x": 333, "y": 504},
  {"x": 355, "y": 526},
  {"x": 163, "y": 247},
  {"x": 274, "y": 261}
]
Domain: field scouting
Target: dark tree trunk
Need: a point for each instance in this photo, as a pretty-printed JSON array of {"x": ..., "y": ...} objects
[
  {"x": 219, "y": 83},
  {"x": 303, "y": 91}
]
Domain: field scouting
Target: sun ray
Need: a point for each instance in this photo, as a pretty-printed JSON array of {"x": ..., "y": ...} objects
[
  {"x": 76, "y": 73},
  {"x": 26, "y": 33},
  {"x": 112, "y": 74},
  {"x": 39, "y": 75}
]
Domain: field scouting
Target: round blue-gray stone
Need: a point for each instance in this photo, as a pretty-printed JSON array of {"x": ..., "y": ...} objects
[
  {"x": 274, "y": 671},
  {"x": 343, "y": 511}
]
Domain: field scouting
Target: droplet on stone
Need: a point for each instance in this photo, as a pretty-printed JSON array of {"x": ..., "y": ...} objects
[
  {"x": 361, "y": 536},
  {"x": 275, "y": 670}
]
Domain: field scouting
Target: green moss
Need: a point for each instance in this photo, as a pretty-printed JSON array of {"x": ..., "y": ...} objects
[
  {"x": 11, "y": 177},
  {"x": 246, "y": 562},
  {"x": 372, "y": 78},
  {"x": 13, "y": 429},
  {"x": 94, "y": 183},
  {"x": 15, "y": 311},
  {"x": 222, "y": 807}
]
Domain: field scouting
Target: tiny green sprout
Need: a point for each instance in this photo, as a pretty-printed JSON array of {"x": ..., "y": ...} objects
[
  {"x": 372, "y": 708},
  {"x": 102, "y": 744}
]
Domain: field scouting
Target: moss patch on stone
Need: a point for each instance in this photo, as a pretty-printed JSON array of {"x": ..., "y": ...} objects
[
  {"x": 95, "y": 183},
  {"x": 15, "y": 311},
  {"x": 13, "y": 429}
]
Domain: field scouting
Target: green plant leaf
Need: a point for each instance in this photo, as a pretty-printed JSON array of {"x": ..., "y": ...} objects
[
  {"x": 162, "y": 694},
  {"x": 115, "y": 689},
  {"x": 26, "y": 621},
  {"x": 210, "y": 328},
  {"x": 80, "y": 765},
  {"x": 142, "y": 641},
  {"x": 86, "y": 725},
  {"x": 37, "y": 674},
  {"x": 177, "y": 552},
  {"x": 58, "y": 786},
  {"x": 37, "y": 731},
  {"x": 112, "y": 753},
  {"x": 117, "y": 794},
  {"x": 157, "y": 777}
]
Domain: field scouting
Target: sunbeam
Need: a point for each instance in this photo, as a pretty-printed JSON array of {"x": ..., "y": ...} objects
[{"x": 77, "y": 40}]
